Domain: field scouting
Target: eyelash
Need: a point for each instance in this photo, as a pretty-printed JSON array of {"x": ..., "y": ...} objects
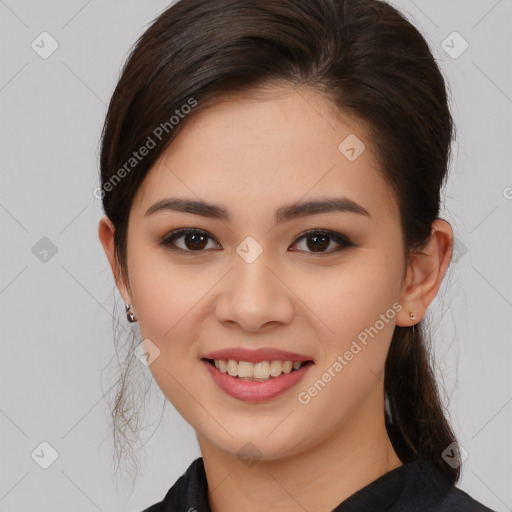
[{"x": 167, "y": 241}]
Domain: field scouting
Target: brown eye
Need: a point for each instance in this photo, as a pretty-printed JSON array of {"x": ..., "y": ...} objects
[
  {"x": 317, "y": 241},
  {"x": 194, "y": 240}
]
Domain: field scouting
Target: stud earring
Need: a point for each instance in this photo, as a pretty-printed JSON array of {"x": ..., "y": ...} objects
[
  {"x": 411, "y": 316},
  {"x": 129, "y": 315}
]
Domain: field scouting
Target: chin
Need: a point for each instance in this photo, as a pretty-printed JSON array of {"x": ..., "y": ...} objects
[{"x": 258, "y": 441}]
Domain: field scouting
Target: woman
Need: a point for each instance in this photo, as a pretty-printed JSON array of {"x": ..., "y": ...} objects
[{"x": 271, "y": 175}]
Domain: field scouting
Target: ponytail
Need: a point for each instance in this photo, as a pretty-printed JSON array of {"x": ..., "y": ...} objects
[{"x": 419, "y": 428}]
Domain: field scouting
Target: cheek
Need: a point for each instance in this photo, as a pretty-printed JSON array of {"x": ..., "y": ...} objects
[
  {"x": 359, "y": 311},
  {"x": 163, "y": 293},
  {"x": 352, "y": 300},
  {"x": 169, "y": 300}
]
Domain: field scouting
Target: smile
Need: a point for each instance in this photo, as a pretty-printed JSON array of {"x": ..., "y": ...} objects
[
  {"x": 256, "y": 380},
  {"x": 257, "y": 372}
]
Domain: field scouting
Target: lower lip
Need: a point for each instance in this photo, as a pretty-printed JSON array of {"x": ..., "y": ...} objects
[{"x": 253, "y": 391}]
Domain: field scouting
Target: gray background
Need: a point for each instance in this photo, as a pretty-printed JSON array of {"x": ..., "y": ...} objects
[{"x": 56, "y": 309}]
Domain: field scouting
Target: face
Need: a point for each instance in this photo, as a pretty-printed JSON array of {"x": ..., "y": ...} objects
[{"x": 261, "y": 278}]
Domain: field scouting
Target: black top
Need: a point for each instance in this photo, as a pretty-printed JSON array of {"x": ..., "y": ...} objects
[{"x": 413, "y": 487}]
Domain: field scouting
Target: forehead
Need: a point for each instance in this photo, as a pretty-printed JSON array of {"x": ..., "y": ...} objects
[{"x": 269, "y": 147}]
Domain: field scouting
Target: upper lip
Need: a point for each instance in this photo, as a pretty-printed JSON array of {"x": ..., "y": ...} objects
[{"x": 256, "y": 355}]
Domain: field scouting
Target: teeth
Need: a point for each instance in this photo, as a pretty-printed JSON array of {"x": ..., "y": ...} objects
[
  {"x": 232, "y": 368},
  {"x": 262, "y": 370},
  {"x": 245, "y": 369},
  {"x": 287, "y": 366},
  {"x": 276, "y": 368}
]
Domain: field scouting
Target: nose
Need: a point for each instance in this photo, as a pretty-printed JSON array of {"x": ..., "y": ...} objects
[{"x": 254, "y": 296}]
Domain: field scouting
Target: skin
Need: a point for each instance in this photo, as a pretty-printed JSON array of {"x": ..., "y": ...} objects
[{"x": 253, "y": 154}]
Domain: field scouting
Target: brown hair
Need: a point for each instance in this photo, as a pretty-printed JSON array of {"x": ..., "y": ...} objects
[{"x": 366, "y": 58}]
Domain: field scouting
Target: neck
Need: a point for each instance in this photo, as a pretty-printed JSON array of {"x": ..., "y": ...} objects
[{"x": 317, "y": 479}]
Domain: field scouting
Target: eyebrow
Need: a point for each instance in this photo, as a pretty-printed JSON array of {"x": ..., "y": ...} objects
[{"x": 283, "y": 214}]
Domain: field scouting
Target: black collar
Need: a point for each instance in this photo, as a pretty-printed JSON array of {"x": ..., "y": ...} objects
[{"x": 415, "y": 486}]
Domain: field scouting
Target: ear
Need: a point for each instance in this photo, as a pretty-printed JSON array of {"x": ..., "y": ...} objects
[
  {"x": 425, "y": 273},
  {"x": 106, "y": 234}
]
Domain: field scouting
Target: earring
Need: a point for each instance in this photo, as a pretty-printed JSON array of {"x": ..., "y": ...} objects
[
  {"x": 130, "y": 316},
  {"x": 411, "y": 316}
]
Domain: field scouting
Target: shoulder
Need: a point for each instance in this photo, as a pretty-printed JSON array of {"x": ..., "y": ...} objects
[
  {"x": 434, "y": 490},
  {"x": 188, "y": 493},
  {"x": 456, "y": 500},
  {"x": 157, "y": 507},
  {"x": 416, "y": 486}
]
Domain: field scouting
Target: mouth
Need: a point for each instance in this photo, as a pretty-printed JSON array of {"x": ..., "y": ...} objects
[
  {"x": 260, "y": 371},
  {"x": 256, "y": 375}
]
